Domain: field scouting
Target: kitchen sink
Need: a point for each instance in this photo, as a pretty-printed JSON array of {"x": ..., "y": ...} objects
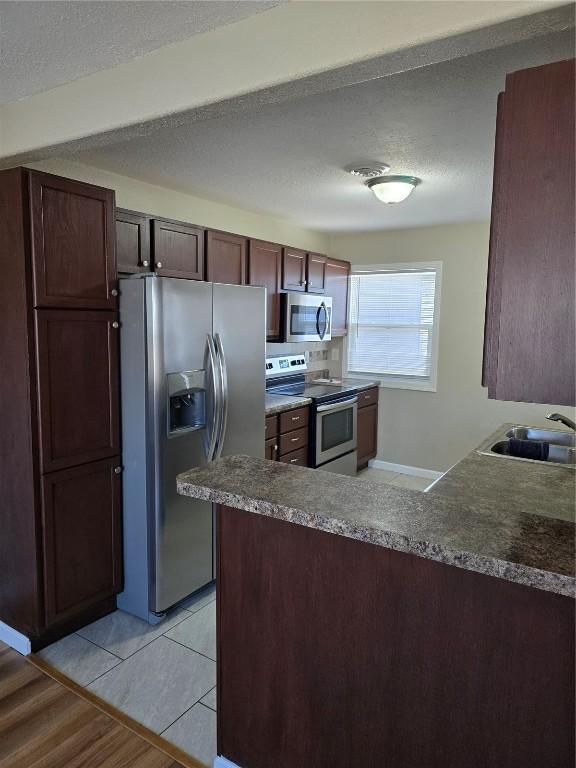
[
  {"x": 562, "y": 445},
  {"x": 552, "y": 436}
]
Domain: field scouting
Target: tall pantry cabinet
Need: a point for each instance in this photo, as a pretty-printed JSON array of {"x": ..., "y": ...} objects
[{"x": 60, "y": 467}]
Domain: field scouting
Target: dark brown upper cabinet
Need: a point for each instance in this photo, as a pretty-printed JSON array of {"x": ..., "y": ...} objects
[
  {"x": 316, "y": 273},
  {"x": 73, "y": 252},
  {"x": 337, "y": 285},
  {"x": 132, "y": 242},
  {"x": 225, "y": 258},
  {"x": 530, "y": 342},
  {"x": 81, "y": 516},
  {"x": 78, "y": 386},
  {"x": 265, "y": 269},
  {"x": 294, "y": 269},
  {"x": 178, "y": 249}
]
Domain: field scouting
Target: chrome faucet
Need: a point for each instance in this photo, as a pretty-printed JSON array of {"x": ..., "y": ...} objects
[{"x": 562, "y": 419}]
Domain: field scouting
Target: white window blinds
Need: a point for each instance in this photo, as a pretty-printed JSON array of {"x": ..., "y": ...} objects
[{"x": 393, "y": 324}]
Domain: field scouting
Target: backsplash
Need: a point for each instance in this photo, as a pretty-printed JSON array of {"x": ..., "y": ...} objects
[{"x": 319, "y": 356}]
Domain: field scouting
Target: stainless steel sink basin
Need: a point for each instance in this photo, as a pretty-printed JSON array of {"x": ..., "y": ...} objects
[
  {"x": 552, "y": 436},
  {"x": 562, "y": 444}
]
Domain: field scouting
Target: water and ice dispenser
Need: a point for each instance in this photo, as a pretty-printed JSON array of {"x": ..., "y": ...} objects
[{"x": 186, "y": 401}]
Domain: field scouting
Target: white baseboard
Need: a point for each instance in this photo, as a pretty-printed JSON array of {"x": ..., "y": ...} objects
[
  {"x": 405, "y": 469},
  {"x": 222, "y": 762},
  {"x": 15, "y": 639}
]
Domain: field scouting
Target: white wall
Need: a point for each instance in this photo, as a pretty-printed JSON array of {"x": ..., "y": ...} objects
[
  {"x": 434, "y": 430},
  {"x": 160, "y": 201}
]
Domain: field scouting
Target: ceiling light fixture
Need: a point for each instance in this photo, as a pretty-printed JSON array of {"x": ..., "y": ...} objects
[{"x": 392, "y": 189}]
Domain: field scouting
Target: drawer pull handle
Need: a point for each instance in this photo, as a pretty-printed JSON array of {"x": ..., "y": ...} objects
[
  {"x": 367, "y": 397},
  {"x": 294, "y": 439},
  {"x": 293, "y": 461},
  {"x": 295, "y": 418}
]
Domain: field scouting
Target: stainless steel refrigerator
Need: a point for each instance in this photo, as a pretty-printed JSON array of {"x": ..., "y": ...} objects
[{"x": 192, "y": 366}]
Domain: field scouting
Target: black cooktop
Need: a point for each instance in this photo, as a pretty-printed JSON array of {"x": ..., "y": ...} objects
[{"x": 320, "y": 393}]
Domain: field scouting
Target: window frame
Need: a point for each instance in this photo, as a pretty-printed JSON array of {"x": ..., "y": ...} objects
[{"x": 399, "y": 382}]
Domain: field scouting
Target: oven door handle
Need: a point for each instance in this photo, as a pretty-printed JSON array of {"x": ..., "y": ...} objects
[{"x": 336, "y": 406}]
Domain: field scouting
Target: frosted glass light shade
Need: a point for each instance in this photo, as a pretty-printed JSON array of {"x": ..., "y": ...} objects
[{"x": 393, "y": 189}]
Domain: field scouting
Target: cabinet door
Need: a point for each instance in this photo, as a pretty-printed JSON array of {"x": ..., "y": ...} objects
[
  {"x": 265, "y": 269},
  {"x": 338, "y": 287},
  {"x": 367, "y": 434},
  {"x": 271, "y": 449},
  {"x": 132, "y": 241},
  {"x": 316, "y": 273},
  {"x": 294, "y": 269},
  {"x": 72, "y": 243},
  {"x": 178, "y": 249},
  {"x": 532, "y": 272},
  {"x": 82, "y": 537},
  {"x": 225, "y": 258},
  {"x": 78, "y": 386}
]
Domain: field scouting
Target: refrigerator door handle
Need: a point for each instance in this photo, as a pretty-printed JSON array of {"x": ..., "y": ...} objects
[
  {"x": 224, "y": 393},
  {"x": 211, "y": 443}
]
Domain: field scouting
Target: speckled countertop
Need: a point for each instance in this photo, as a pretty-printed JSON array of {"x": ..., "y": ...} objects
[
  {"x": 513, "y": 486},
  {"x": 278, "y": 403},
  {"x": 467, "y": 529}
]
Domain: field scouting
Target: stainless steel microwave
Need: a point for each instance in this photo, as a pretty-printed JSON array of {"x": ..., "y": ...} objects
[{"x": 307, "y": 317}]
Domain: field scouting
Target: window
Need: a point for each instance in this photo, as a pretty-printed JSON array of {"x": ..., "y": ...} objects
[{"x": 393, "y": 327}]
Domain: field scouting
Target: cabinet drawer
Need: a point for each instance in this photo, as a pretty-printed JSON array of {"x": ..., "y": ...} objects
[
  {"x": 271, "y": 427},
  {"x": 296, "y": 457},
  {"x": 293, "y": 440},
  {"x": 294, "y": 419},
  {"x": 367, "y": 397}
]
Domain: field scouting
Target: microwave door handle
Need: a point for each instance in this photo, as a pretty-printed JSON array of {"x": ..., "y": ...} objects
[
  {"x": 214, "y": 373},
  {"x": 322, "y": 332},
  {"x": 224, "y": 394}
]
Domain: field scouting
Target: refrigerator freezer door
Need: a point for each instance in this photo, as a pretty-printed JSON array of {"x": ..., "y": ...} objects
[
  {"x": 182, "y": 527},
  {"x": 240, "y": 335}
]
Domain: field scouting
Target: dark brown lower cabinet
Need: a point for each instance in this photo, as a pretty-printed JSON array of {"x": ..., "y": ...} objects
[
  {"x": 82, "y": 541},
  {"x": 367, "y": 426},
  {"x": 287, "y": 437},
  {"x": 271, "y": 449},
  {"x": 356, "y": 655}
]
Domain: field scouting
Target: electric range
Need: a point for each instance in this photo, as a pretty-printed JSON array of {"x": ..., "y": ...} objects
[{"x": 334, "y": 413}]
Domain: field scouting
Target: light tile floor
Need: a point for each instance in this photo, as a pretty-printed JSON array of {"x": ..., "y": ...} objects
[
  {"x": 164, "y": 676},
  {"x": 397, "y": 479}
]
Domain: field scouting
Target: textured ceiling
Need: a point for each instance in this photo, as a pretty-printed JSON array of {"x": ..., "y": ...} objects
[
  {"x": 46, "y": 44},
  {"x": 436, "y": 123}
]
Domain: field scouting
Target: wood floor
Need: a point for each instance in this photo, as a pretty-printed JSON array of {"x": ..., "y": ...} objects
[{"x": 47, "y": 724}]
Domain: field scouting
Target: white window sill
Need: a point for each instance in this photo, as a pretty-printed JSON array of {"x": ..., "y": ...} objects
[{"x": 419, "y": 386}]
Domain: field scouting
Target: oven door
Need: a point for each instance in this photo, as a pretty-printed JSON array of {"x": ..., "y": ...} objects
[
  {"x": 336, "y": 429},
  {"x": 308, "y": 318}
]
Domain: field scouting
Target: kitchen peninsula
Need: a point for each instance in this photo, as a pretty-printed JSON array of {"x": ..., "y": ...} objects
[{"x": 357, "y": 621}]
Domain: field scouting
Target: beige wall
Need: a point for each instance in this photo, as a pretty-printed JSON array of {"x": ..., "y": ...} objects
[
  {"x": 148, "y": 198},
  {"x": 433, "y": 430}
]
